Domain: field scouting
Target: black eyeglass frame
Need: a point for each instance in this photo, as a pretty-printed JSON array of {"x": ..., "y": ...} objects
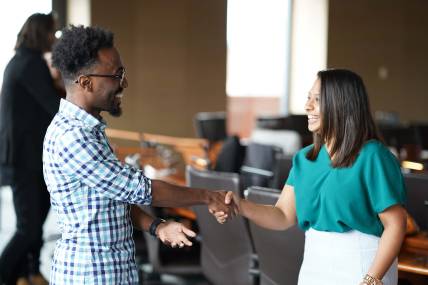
[{"x": 120, "y": 77}]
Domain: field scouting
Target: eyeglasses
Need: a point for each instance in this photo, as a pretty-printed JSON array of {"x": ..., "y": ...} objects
[{"x": 120, "y": 76}]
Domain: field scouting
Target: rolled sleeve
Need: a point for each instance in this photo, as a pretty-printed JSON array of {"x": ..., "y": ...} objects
[
  {"x": 385, "y": 181},
  {"x": 87, "y": 157}
]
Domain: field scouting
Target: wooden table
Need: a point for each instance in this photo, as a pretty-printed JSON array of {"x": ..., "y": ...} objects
[
  {"x": 413, "y": 257},
  {"x": 149, "y": 156},
  {"x": 179, "y": 179}
]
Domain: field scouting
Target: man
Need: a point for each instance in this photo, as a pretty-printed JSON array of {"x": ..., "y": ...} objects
[{"x": 91, "y": 191}]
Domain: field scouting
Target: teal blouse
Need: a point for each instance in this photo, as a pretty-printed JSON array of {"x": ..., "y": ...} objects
[{"x": 343, "y": 199}]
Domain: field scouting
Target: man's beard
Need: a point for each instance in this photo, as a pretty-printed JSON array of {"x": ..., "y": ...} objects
[{"x": 116, "y": 110}]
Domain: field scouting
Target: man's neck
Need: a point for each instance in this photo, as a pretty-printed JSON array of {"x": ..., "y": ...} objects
[{"x": 76, "y": 100}]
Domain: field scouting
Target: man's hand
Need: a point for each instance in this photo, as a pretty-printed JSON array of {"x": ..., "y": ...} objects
[
  {"x": 174, "y": 234},
  {"x": 232, "y": 203}
]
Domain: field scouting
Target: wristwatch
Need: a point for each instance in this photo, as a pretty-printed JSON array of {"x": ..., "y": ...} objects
[{"x": 154, "y": 226}]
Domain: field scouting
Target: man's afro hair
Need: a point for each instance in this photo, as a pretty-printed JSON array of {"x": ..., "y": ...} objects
[{"x": 77, "y": 49}]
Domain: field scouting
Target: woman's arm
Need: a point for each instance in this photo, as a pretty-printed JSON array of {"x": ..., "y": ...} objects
[
  {"x": 278, "y": 217},
  {"x": 394, "y": 223}
]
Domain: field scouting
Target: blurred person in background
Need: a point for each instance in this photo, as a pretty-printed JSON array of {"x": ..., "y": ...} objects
[{"x": 29, "y": 100}]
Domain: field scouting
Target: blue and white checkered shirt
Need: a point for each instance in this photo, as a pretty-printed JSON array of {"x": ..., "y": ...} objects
[{"x": 91, "y": 192}]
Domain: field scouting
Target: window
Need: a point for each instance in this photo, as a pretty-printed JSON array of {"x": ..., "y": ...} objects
[
  {"x": 11, "y": 20},
  {"x": 257, "y": 47},
  {"x": 275, "y": 48}
]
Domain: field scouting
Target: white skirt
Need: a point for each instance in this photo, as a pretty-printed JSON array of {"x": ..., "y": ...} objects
[{"x": 340, "y": 258}]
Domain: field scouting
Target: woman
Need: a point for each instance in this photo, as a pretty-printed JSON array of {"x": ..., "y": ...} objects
[
  {"x": 346, "y": 191},
  {"x": 28, "y": 103}
]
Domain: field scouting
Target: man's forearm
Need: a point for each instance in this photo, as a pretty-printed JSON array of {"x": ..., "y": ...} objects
[
  {"x": 168, "y": 195},
  {"x": 140, "y": 219}
]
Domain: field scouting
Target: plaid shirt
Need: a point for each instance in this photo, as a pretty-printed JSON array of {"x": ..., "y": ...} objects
[{"x": 91, "y": 192}]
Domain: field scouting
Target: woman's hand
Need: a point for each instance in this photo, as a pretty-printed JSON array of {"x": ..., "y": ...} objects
[{"x": 174, "y": 234}]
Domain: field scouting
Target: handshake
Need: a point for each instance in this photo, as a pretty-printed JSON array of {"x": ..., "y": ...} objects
[{"x": 223, "y": 205}]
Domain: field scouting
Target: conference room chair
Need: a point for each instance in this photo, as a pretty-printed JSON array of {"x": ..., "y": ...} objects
[
  {"x": 280, "y": 252},
  {"x": 289, "y": 141},
  {"x": 259, "y": 165},
  {"x": 227, "y": 251},
  {"x": 281, "y": 170},
  {"x": 210, "y": 126},
  {"x": 417, "y": 198},
  {"x": 166, "y": 260},
  {"x": 294, "y": 122},
  {"x": 231, "y": 155}
]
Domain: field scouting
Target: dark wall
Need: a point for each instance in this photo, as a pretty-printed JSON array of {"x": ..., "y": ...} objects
[
  {"x": 175, "y": 55},
  {"x": 365, "y": 35}
]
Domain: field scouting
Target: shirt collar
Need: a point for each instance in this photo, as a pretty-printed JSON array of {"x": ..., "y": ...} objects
[{"x": 70, "y": 110}]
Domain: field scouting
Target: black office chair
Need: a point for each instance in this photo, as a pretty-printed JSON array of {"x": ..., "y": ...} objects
[
  {"x": 211, "y": 126},
  {"x": 273, "y": 122},
  {"x": 166, "y": 260},
  {"x": 298, "y": 123},
  {"x": 421, "y": 133},
  {"x": 281, "y": 170},
  {"x": 289, "y": 141},
  {"x": 231, "y": 155},
  {"x": 399, "y": 137},
  {"x": 259, "y": 165},
  {"x": 417, "y": 198},
  {"x": 227, "y": 252},
  {"x": 280, "y": 252}
]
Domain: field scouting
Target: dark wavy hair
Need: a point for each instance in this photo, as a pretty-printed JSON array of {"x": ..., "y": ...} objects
[
  {"x": 77, "y": 49},
  {"x": 346, "y": 119},
  {"x": 34, "y": 34}
]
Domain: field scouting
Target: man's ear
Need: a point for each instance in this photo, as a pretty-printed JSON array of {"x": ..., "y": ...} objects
[{"x": 85, "y": 82}]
